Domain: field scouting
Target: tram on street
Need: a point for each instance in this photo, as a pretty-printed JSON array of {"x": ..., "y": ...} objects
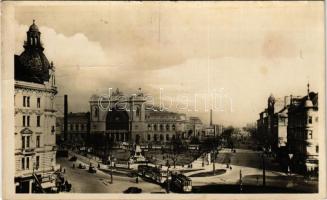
[
  {"x": 181, "y": 183},
  {"x": 154, "y": 173}
]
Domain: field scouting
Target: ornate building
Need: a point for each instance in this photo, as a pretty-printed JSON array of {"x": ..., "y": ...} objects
[
  {"x": 35, "y": 117},
  {"x": 129, "y": 119},
  {"x": 120, "y": 117},
  {"x": 302, "y": 136}
]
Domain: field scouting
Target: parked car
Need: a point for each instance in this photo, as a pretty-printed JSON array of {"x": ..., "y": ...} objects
[
  {"x": 81, "y": 166},
  {"x": 73, "y": 158},
  {"x": 92, "y": 169},
  {"x": 133, "y": 190}
]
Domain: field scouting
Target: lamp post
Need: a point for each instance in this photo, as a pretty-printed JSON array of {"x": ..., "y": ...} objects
[
  {"x": 168, "y": 179},
  {"x": 290, "y": 155},
  {"x": 263, "y": 170},
  {"x": 241, "y": 183}
]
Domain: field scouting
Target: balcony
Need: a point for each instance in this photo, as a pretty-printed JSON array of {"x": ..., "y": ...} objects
[{"x": 29, "y": 151}]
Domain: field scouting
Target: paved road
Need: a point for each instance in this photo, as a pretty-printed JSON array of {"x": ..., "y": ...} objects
[
  {"x": 85, "y": 182},
  {"x": 250, "y": 163}
]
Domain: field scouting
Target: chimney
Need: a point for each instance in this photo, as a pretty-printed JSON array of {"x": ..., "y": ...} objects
[
  {"x": 211, "y": 117},
  {"x": 65, "y": 116}
]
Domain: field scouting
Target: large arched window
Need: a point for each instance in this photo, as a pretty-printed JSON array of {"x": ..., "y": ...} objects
[
  {"x": 167, "y": 137},
  {"x": 138, "y": 112},
  {"x": 174, "y": 127},
  {"x": 167, "y": 127}
]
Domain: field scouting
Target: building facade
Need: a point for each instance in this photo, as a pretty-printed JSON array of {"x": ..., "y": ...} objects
[
  {"x": 120, "y": 117},
  {"x": 78, "y": 128},
  {"x": 35, "y": 117},
  {"x": 302, "y": 137}
]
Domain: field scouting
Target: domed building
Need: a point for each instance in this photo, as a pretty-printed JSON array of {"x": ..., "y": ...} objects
[
  {"x": 35, "y": 117},
  {"x": 32, "y": 65}
]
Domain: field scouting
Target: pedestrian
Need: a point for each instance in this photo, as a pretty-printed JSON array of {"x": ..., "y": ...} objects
[
  {"x": 137, "y": 179},
  {"x": 99, "y": 165},
  {"x": 64, "y": 170},
  {"x": 230, "y": 167},
  {"x": 73, "y": 165},
  {"x": 257, "y": 180}
]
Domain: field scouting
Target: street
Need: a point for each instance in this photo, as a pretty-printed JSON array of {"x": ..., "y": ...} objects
[{"x": 84, "y": 182}]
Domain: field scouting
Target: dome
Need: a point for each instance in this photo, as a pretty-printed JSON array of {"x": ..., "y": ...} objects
[
  {"x": 36, "y": 65},
  {"x": 271, "y": 98},
  {"x": 34, "y": 27}
]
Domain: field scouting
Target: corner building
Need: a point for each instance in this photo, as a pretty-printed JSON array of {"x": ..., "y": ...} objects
[{"x": 35, "y": 117}]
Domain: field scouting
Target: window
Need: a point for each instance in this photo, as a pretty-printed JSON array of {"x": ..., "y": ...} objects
[
  {"x": 174, "y": 127},
  {"x": 23, "y": 163},
  {"x": 38, "y": 102},
  {"x": 82, "y": 127},
  {"x": 76, "y": 127},
  {"x": 68, "y": 127},
  {"x": 53, "y": 129},
  {"x": 167, "y": 127},
  {"x": 38, "y": 141},
  {"x": 38, "y": 121},
  {"x": 37, "y": 162},
  {"x": 310, "y": 119},
  {"x": 155, "y": 137},
  {"x": 23, "y": 142},
  {"x": 161, "y": 137},
  {"x": 24, "y": 101},
  {"x": 28, "y": 141},
  {"x": 167, "y": 137},
  {"x": 149, "y": 137},
  {"x": 28, "y": 121},
  {"x": 27, "y": 162},
  {"x": 155, "y": 127},
  {"x": 28, "y": 101},
  {"x": 24, "y": 120},
  {"x": 161, "y": 127},
  {"x": 309, "y": 134},
  {"x": 149, "y": 127}
]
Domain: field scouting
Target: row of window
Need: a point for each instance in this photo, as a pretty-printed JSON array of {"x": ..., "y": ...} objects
[
  {"x": 26, "y": 121},
  {"x": 27, "y": 139},
  {"x": 76, "y": 127},
  {"x": 25, "y": 162},
  {"x": 161, "y": 127},
  {"x": 26, "y": 101}
]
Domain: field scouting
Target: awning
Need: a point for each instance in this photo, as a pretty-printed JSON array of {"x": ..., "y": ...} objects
[{"x": 48, "y": 184}]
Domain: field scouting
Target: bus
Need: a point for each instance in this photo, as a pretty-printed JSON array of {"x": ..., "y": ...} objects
[
  {"x": 181, "y": 182},
  {"x": 154, "y": 173}
]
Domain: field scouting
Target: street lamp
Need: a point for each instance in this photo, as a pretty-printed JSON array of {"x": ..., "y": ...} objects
[
  {"x": 168, "y": 179},
  {"x": 263, "y": 170},
  {"x": 290, "y": 155}
]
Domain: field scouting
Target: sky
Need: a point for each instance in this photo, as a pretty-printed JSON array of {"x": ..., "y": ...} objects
[{"x": 182, "y": 52}]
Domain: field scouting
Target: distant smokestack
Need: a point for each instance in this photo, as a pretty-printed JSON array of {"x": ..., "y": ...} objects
[
  {"x": 210, "y": 117},
  {"x": 65, "y": 116}
]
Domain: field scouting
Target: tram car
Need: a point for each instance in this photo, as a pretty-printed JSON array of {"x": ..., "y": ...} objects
[
  {"x": 181, "y": 182},
  {"x": 155, "y": 174}
]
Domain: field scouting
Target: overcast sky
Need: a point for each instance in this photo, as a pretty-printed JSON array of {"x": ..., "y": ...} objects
[{"x": 243, "y": 50}]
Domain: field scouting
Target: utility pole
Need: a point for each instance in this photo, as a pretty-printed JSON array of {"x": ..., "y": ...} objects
[
  {"x": 263, "y": 171},
  {"x": 241, "y": 182},
  {"x": 65, "y": 117}
]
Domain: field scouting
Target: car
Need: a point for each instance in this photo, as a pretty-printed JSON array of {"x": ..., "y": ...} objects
[
  {"x": 73, "y": 158},
  {"x": 92, "y": 169},
  {"x": 133, "y": 190},
  {"x": 81, "y": 166}
]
